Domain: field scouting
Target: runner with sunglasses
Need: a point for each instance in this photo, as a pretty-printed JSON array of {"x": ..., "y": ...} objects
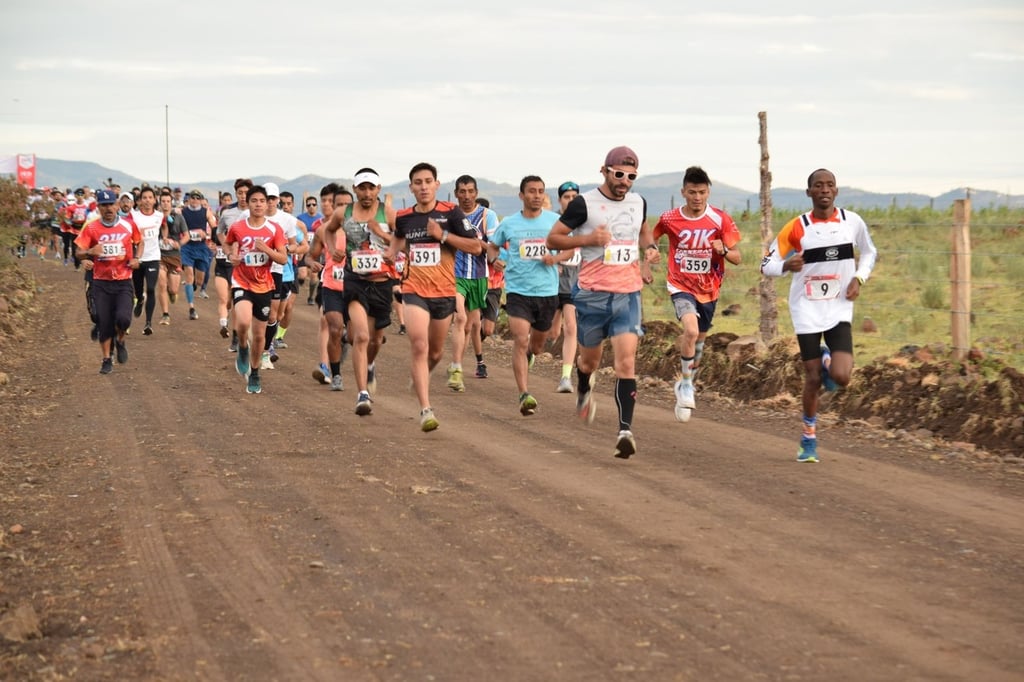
[{"x": 609, "y": 225}]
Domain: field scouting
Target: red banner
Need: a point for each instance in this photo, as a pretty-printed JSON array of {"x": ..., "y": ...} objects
[{"x": 27, "y": 170}]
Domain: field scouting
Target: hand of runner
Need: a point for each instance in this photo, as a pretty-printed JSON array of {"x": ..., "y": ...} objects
[{"x": 600, "y": 236}]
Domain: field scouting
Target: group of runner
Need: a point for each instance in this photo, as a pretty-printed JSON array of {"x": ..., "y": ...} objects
[{"x": 444, "y": 268}]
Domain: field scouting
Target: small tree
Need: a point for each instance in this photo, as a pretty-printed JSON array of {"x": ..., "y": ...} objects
[{"x": 14, "y": 215}]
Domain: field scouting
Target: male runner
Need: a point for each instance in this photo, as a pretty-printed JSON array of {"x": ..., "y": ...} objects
[
  {"x": 254, "y": 243},
  {"x": 431, "y": 230},
  {"x": 609, "y": 224},
  {"x": 531, "y": 281}
]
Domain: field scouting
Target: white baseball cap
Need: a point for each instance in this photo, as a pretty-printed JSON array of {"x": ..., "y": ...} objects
[
  {"x": 365, "y": 177},
  {"x": 272, "y": 189}
]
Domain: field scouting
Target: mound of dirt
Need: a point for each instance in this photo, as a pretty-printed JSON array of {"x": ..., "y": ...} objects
[{"x": 979, "y": 401}]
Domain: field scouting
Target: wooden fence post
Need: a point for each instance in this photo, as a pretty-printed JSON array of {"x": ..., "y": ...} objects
[
  {"x": 960, "y": 278},
  {"x": 769, "y": 324}
]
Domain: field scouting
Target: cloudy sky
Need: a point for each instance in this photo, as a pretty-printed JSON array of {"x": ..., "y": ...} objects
[{"x": 894, "y": 96}]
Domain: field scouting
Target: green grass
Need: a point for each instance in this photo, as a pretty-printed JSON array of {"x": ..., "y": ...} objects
[{"x": 908, "y": 295}]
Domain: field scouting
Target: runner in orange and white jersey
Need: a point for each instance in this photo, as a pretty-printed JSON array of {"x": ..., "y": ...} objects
[{"x": 819, "y": 248}]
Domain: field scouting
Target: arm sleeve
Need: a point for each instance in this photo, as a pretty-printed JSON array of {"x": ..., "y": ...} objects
[
  {"x": 780, "y": 249},
  {"x": 868, "y": 252}
]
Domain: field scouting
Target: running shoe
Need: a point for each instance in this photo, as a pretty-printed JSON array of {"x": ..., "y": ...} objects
[
  {"x": 401, "y": 330},
  {"x": 527, "y": 404},
  {"x": 233, "y": 348},
  {"x": 530, "y": 357},
  {"x": 107, "y": 366},
  {"x": 827, "y": 382},
  {"x": 192, "y": 314},
  {"x": 274, "y": 357},
  {"x": 309, "y": 301},
  {"x": 684, "y": 401},
  {"x": 138, "y": 308},
  {"x": 254, "y": 385},
  {"x": 345, "y": 348},
  {"x": 565, "y": 385},
  {"x": 371, "y": 379},
  {"x": 265, "y": 361},
  {"x": 428, "y": 422},
  {"x": 455, "y": 380},
  {"x": 322, "y": 374},
  {"x": 280, "y": 344},
  {"x": 336, "y": 383},
  {"x": 481, "y": 370},
  {"x": 95, "y": 333},
  {"x": 147, "y": 330},
  {"x": 808, "y": 451},
  {"x": 165, "y": 319},
  {"x": 203, "y": 294},
  {"x": 625, "y": 446},
  {"x": 586, "y": 408},
  {"x": 122, "y": 352},
  {"x": 363, "y": 404},
  {"x": 224, "y": 332},
  {"x": 242, "y": 361},
  {"x": 173, "y": 296}
]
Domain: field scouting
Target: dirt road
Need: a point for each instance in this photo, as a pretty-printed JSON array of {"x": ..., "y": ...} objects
[{"x": 163, "y": 524}]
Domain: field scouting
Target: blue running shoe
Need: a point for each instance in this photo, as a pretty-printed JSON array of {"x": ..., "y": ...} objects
[
  {"x": 808, "y": 451},
  {"x": 242, "y": 361},
  {"x": 254, "y": 385},
  {"x": 826, "y": 380}
]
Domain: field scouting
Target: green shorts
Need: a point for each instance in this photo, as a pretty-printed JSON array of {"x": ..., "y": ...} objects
[{"x": 474, "y": 291}]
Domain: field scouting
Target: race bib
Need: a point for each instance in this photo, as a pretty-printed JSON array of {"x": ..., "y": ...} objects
[
  {"x": 575, "y": 260},
  {"x": 196, "y": 235},
  {"x": 697, "y": 265},
  {"x": 425, "y": 255},
  {"x": 220, "y": 255},
  {"x": 151, "y": 233},
  {"x": 111, "y": 250},
  {"x": 532, "y": 249},
  {"x": 821, "y": 287},
  {"x": 255, "y": 259},
  {"x": 366, "y": 262},
  {"x": 621, "y": 253}
]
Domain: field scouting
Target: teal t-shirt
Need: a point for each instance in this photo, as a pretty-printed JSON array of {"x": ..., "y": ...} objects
[{"x": 525, "y": 272}]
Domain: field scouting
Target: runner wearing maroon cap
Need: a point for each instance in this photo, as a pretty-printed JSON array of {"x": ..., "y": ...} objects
[{"x": 609, "y": 225}]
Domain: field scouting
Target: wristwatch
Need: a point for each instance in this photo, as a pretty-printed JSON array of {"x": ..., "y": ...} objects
[
  {"x": 725, "y": 250},
  {"x": 444, "y": 236}
]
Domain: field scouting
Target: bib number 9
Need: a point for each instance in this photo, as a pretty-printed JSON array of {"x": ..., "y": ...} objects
[{"x": 821, "y": 287}]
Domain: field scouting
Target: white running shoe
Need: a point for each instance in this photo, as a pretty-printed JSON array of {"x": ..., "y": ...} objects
[
  {"x": 265, "y": 362},
  {"x": 684, "y": 401},
  {"x": 565, "y": 385}
]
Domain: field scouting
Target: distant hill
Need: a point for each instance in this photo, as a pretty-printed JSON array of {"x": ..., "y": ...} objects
[{"x": 661, "y": 190}]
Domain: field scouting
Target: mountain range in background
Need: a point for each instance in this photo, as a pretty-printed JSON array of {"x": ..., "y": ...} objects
[{"x": 661, "y": 190}]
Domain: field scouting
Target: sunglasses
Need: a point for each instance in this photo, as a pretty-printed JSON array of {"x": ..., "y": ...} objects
[
  {"x": 618, "y": 175},
  {"x": 312, "y": 203}
]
